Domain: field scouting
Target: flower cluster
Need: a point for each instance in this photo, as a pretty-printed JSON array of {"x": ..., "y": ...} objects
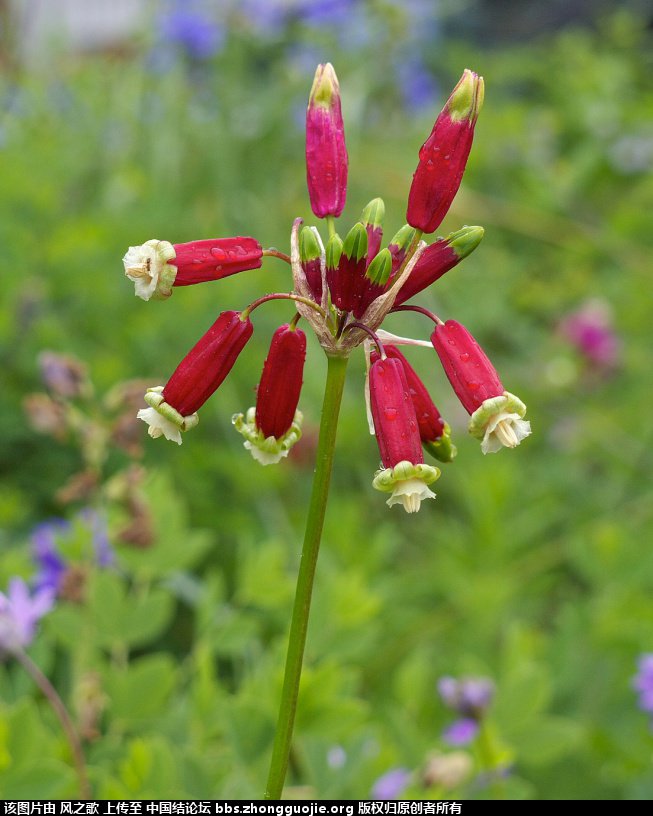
[{"x": 344, "y": 288}]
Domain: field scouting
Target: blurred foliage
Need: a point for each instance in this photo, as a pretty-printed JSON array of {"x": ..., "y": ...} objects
[{"x": 532, "y": 567}]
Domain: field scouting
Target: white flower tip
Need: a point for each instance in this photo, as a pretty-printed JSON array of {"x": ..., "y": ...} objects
[
  {"x": 263, "y": 456},
  {"x": 504, "y": 431},
  {"x": 159, "y": 425},
  {"x": 410, "y": 493},
  {"x": 146, "y": 265}
]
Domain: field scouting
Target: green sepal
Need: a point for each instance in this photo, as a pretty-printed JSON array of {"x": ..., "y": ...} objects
[
  {"x": 403, "y": 237},
  {"x": 309, "y": 249},
  {"x": 466, "y": 100},
  {"x": 380, "y": 268},
  {"x": 266, "y": 450},
  {"x": 442, "y": 448},
  {"x": 355, "y": 244},
  {"x": 505, "y": 403},
  {"x": 333, "y": 251},
  {"x": 154, "y": 398},
  {"x": 464, "y": 241},
  {"x": 385, "y": 480},
  {"x": 374, "y": 213}
]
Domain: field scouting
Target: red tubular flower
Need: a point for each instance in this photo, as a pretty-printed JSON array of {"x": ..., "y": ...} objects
[
  {"x": 405, "y": 475},
  {"x": 200, "y": 261},
  {"x": 326, "y": 154},
  {"x": 398, "y": 249},
  {"x": 273, "y": 427},
  {"x": 439, "y": 258},
  {"x": 496, "y": 414},
  {"x": 434, "y": 432},
  {"x": 443, "y": 156},
  {"x": 156, "y": 266},
  {"x": 173, "y": 407}
]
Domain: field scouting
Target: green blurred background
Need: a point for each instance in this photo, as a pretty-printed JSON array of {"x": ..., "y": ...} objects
[{"x": 533, "y": 567}]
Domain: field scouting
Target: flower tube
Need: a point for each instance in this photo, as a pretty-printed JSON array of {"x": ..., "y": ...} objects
[
  {"x": 274, "y": 425},
  {"x": 405, "y": 476},
  {"x": 439, "y": 258},
  {"x": 496, "y": 415},
  {"x": 326, "y": 154},
  {"x": 156, "y": 266},
  {"x": 434, "y": 432},
  {"x": 173, "y": 407},
  {"x": 443, "y": 156}
]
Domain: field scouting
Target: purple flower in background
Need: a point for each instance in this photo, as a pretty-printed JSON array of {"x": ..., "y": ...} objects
[
  {"x": 470, "y": 697},
  {"x": 643, "y": 682},
  {"x": 97, "y": 523},
  {"x": 191, "y": 29},
  {"x": 325, "y": 12},
  {"x": 20, "y": 611},
  {"x": 391, "y": 785},
  {"x": 461, "y": 732},
  {"x": 46, "y": 551},
  {"x": 418, "y": 87},
  {"x": 52, "y": 566},
  {"x": 590, "y": 329}
]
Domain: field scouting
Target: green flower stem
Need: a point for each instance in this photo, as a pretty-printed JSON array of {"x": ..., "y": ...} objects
[
  {"x": 331, "y": 225},
  {"x": 50, "y": 693},
  {"x": 335, "y": 381},
  {"x": 489, "y": 759}
]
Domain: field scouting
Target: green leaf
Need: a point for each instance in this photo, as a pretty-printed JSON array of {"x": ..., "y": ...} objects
[{"x": 547, "y": 740}]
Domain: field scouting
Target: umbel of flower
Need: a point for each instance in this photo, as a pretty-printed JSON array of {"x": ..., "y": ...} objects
[
  {"x": 404, "y": 474},
  {"x": 173, "y": 407},
  {"x": 434, "y": 432},
  {"x": 156, "y": 266},
  {"x": 326, "y": 154},
  {"x": 443, "y": 156},
  {"x": 274, "y": 425},
  {"x": 497, "y": 416}
]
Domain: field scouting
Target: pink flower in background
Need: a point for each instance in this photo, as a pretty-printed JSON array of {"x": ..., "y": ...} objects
[{"x": 590, "y": 329}]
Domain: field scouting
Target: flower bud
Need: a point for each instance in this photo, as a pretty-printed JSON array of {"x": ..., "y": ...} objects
[
  {"x": 347, "y": 283},
  {"x": 372, "y": 220},
  {"x": 405, "y": 475},
  {"x": 439, "y": 258},
  {"x": 273, "y": 427},
  {"x": 311, "y": 258},
  {"x": 173, "y": 407},
  {"x": 156, "y": 266},
  {"x": 398, "y": 248},
  {"x": 326, "y": 154},
  {"x": 443, "y": 156},
  {"x": 434, "y": 432},
  {"x": 496, "y": 414}
]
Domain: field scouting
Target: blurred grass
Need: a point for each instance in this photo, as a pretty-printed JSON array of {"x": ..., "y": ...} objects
[{"x": 532, "y": 566}]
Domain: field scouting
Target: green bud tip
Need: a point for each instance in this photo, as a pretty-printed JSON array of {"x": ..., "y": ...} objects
[
  {"x": 380, "y": 268},
  {"x": 309, "y": 249},
  {"x": 374, "y": 213},
  {"x": 404, "y": 237},
  {"x": 466, "y": 99},
  {"x": 333, "y": 251},
  {"x": 465, "y": 240},
  {"x": 355, "y": 245},
  {"x": 325, "y": 86}
]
